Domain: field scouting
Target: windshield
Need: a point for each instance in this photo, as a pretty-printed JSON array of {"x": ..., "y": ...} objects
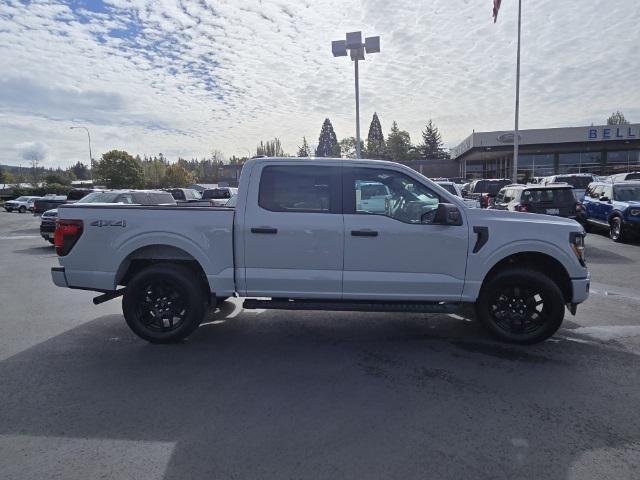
[
  {"x": 627, "y": 193},
  {"x": 100, "y": 197},
  {"x": 580, "y": 183},
  {"x": 22, "y": 199}
]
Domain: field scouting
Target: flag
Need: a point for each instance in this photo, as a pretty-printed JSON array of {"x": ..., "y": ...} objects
[{"x": 496, "y": 7}]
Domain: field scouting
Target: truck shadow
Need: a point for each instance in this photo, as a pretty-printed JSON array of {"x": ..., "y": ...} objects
[
  {"x": 41, "y": 250},
  {"x": 265, "y": 395}
]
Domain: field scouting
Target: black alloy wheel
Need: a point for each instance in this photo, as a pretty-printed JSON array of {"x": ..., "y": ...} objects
[
  {"x": 616, "y": 232},
  {"x": 521, "y": 306}
]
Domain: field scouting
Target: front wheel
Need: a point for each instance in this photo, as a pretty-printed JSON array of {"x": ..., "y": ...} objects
[
  {"x": 521, "y": 306},
  {"x": 616, "y": 231},
  {"x": 164, "y": 303},
  {"x": 22, "y": 209}
]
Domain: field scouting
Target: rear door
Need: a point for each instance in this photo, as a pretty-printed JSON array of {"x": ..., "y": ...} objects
[{"x": 293, "y": 231}]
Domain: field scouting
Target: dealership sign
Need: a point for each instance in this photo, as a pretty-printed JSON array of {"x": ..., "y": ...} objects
[{"x": 613, "y": 132}]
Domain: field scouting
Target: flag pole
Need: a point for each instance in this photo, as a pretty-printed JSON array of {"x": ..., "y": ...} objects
[{"x": 516, "y": 138}]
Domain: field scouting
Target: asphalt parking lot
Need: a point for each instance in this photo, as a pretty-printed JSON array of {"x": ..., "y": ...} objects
[{"x": 268, "y": 394}]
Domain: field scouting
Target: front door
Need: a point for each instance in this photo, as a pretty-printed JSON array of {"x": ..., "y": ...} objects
[
  {"x": 397, "y": 253},
  {"x": 293, "y": 232}
]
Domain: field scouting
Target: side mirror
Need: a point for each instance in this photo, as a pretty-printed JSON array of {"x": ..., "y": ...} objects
[
  {"x": 447, "y": 214},
  {"x": 605, "y": 199}
]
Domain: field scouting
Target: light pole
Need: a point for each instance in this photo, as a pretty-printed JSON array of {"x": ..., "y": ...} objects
[
  {"x": 90, "y": 156},
  {"x": 356, "y": 48}
]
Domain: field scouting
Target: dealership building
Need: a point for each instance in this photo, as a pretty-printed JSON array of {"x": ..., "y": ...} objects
[{"x": 602, "y": 150}]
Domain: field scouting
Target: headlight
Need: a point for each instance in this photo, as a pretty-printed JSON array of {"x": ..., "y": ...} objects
[
  {"x": 577, "y": 245},
  {"x": 634, "y": 211}
]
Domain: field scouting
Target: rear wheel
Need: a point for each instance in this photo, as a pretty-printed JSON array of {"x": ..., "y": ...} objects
[
  {"x": 164, "y": 303},
  {"x": 521, "y": 306},
  {"x": 616, "y": 229}
]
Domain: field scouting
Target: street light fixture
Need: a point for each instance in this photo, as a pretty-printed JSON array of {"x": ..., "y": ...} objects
[
  {"x": 90, "y": 156},
  {"x": 356, "y": 48}
]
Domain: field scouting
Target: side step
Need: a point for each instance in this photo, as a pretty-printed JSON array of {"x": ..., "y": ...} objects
[{"x": 352, "y": 305}]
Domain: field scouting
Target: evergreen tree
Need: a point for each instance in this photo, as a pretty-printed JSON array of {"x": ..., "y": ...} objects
[
  {"x": 431, "y": 147},
  {"x": 398, "y": 144},
  {"x": 617, "y": 118},
  {"x": 81, "y": 171},
  {"x": 303, "y": 150},
  {"x": 327, "y": 141},
  {"x": 375, "y": 139}
]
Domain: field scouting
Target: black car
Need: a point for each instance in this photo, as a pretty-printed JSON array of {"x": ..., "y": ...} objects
[
  {"x": 554, "y": 199},
  {"x": 484, "y": 190}
]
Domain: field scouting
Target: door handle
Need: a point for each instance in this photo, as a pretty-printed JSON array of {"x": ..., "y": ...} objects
[
  {"x": 364, "y": 233},
  {"x": 264, "y": 230}
]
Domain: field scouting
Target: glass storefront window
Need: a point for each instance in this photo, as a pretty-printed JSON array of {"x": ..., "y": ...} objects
[
  {"x": 623, "y": 161},
  {"x": 580, "y": 162}
]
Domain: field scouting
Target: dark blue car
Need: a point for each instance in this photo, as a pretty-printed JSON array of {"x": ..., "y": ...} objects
[{"x": 614, "y": 207}]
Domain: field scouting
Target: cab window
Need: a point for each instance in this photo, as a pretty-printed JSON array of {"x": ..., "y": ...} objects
[{"x": 300, "y": 189}]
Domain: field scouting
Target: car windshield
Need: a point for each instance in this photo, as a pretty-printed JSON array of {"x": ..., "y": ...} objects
[
  {"x": 627, "y": 193},
  {"x": 576, "y": 182},
  {"x": 22, "y": 199},
  {"x": 549, "y": 195},
  {"x": 100, "y": 197},
  {"x": 632, "y": 176}
]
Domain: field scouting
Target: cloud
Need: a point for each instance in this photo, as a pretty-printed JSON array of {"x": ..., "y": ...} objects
[
  {"x": 185, "y": 76},
  {"x": 32, "y": 151}
]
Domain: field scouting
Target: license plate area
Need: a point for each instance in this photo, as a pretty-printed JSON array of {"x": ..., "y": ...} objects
[{"x": 553, "y": 211}]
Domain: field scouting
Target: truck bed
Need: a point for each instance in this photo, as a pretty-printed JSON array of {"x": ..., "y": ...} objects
[{"x": 127, "y": 233}]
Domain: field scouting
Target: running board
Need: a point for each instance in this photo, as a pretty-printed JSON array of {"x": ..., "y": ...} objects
[{"x": 352, "y": 306}]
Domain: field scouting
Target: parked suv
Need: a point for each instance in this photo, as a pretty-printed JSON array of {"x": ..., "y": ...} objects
[
  {"x": 579, "y": 181},
  {"x": 20, "y": 204},
  {"x": 555, "y": 199},
  {"x": 485, "y": 191},
  {"x": 622, "y": 177},
  {"x": 614, "y": 207}
]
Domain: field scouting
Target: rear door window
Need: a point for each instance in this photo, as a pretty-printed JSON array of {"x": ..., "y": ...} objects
[{"x": 300, "y": 189}]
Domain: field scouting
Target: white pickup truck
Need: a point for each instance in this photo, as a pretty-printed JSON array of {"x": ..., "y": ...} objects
[{"x": 300, "y": 238}]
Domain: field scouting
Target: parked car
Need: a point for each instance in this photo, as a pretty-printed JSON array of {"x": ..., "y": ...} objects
[
  {"x": 454, "y": 189},
  {"x": 127, "y": 197},
  {"x": 623, "y": 177},
  {"x": 48, "y": 202},
  {"x": 485, "y": 190},
  {"x": 20, "y": 204},
  {"x": 553, "y": 199},
  {"x": 182, "y": 195},
  {"x": 372, "y": 197},
  {"x": 297, "y": 238},
  {"x": 31, "y": 203},
  {"x": 579, "y": 181},
  {"x": 614, "y": 207},
  {"x": 219, "y": 196}
]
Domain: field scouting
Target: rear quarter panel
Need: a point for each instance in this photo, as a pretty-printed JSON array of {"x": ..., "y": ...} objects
[{"x": 206, "y": 234}]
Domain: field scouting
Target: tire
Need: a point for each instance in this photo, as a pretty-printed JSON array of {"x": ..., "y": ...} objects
[
  {"x": 9, "y": 210},
  {"x": 165, "y": 303},
  {"x": 520, "y": 306},
  {"x": 22, "y": 209},
  {"x": 616, "y": 229}
]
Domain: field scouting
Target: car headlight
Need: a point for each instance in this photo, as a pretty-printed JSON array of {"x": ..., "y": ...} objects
[
  {"x": 634, "y": 211},
  {"x": 576, "y": 239}
]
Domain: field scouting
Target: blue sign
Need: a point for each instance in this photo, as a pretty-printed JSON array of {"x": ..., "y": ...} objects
[{"x": 622, "y": 132}]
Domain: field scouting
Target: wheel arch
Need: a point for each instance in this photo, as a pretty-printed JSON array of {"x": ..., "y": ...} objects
[
  {"x": 153, "y": 254},
  {"x": 538, "y": 261}
]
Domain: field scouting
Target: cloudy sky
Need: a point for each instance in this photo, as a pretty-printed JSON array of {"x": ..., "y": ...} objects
[{"x": 185, "y": 77}]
